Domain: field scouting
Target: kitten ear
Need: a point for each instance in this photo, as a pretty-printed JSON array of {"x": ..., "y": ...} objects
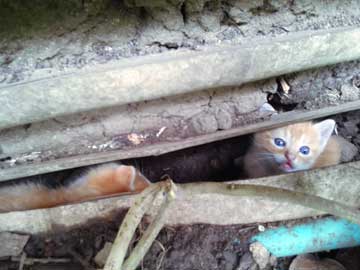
[{"x": 325, "y": 129}]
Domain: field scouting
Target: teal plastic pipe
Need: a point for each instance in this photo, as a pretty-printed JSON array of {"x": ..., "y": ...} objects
[{"x": 322, "y": 234}]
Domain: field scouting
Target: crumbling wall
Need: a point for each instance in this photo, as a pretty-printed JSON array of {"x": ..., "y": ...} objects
[{"x": 47, "y": 38}]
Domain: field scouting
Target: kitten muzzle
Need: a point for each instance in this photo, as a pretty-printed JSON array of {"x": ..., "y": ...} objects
[{"x": 287, "y": 166}]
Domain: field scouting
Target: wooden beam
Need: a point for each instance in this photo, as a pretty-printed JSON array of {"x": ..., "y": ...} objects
[
  {"x": 163, "y": 148},
  {"x": 190, "y": 207},
  {"x": 173, "y": 73}
]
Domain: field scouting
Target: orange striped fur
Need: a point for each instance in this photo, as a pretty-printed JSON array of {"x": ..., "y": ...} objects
[
  {"x": 266, "y": 158},
  {"x": 102, "y": 180}
]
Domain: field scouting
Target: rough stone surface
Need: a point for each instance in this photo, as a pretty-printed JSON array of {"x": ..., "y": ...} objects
[
  {"x": 348, "y": 150},
  {"x": 144, "y": 78},
  {"x": 247, "y": 262},
  {"x": 102, "y": 130},
  {"x": 102, "y": 31},
  {"x": 348, "y": 126},
  {"x": 204, "y": 123},
  {"x": 260, "y": 255},
  {"x": 326, "y": 86},
  {"x": 349, "y": 93},
  {"x": 12, "y": 244},
  {"x": 223, "y": 118}
]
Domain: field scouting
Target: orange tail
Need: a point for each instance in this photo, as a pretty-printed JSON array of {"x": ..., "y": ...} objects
[{"x": 103, "y": 180}]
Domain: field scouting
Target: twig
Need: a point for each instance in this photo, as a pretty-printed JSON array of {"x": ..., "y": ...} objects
[
  {"x": 164, "y": 250},
  {"x": 22, "y": 261},
  {"x": 31, "y": 261},
  {"x": 277, "y": 194},
  {"x": 80, "y": 259},
  {"x": 128, "y": 227},
  {"x": 152, "y": 231}
]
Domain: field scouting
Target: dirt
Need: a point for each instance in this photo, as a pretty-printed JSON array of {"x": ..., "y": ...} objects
[
  {"x": 185, "y": 247},
  {"x": 348, "y": 126},
  {"x": 331, "y": 85},
  {"x": 210, "y": 162},
  {"x": 198, "y": 246}
]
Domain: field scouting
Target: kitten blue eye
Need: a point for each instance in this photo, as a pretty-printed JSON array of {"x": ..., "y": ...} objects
[
  {"x": 305, "y": 150},
  {"x": 279, "y": 142}
]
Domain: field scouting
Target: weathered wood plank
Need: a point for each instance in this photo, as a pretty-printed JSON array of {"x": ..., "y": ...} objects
[
  {"x": 331, "y": 183},
  {"x": 162, "y": 148},
  {"x": 152, "y": 77}
]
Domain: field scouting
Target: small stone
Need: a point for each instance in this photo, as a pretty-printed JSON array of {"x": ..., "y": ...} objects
[
  {"x": 351, "y": 128},
  {"x": 194, "y": 6},
  {"x": 247, "y": 262},
  {"x": 249, "y": 99},
  {"x": 12, "y": 244},
  {"x": 239, "y": 16},
  {"x": 170, "y": 17},
  {"x": 354, "y": 80},
  {"x": 348, "y": 150},
  {"x": 101, "y": 256},
  {"x": 210, "y": 21},
  {"x": 204, "y": 123},
  {"x": 224, "y": 119},
  {"x": 349, "y": 92},
  {"x": 308, "y": 262},
  {"x": 135, "y": 138},
  {"x": 247, "y": 5},
  {"x": 267, "y": 109},
  {"x": 230, "y": 260},
  {"x": 260, "y": 254}
]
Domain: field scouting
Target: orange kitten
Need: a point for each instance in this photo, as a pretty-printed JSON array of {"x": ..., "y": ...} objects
[
  {"x": 293, "y": 148},
  {"x": 102, "y": 180}
]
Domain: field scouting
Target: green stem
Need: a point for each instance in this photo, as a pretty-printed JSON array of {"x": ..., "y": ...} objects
[
  {"x": 131, "y": 221},
  {"x": 151, "y": 233},
  {"x": 276, "y": 194}
]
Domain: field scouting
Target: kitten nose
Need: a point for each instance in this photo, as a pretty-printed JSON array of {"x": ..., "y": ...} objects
[{"x": 289, "y": 156}]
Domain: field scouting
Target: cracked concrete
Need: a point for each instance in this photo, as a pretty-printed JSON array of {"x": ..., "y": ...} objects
[
  {"x": 318, "y": 87},
  {"x": 183, "y": 116},
  {"x": 97, "y": 32},
  {"x": 86, "y": 132}
]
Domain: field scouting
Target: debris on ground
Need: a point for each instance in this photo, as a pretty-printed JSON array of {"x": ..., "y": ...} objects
[
  {"x": 262, "y": 256},
  {"x": 309, "y": 262},
  {"x": 247, "y": 262}
]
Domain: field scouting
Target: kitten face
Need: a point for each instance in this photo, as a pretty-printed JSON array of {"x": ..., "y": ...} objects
[{"x": 295, "y": 147}]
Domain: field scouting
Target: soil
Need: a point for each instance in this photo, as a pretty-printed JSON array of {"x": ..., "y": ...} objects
[{"x": 199, "y": 246}]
